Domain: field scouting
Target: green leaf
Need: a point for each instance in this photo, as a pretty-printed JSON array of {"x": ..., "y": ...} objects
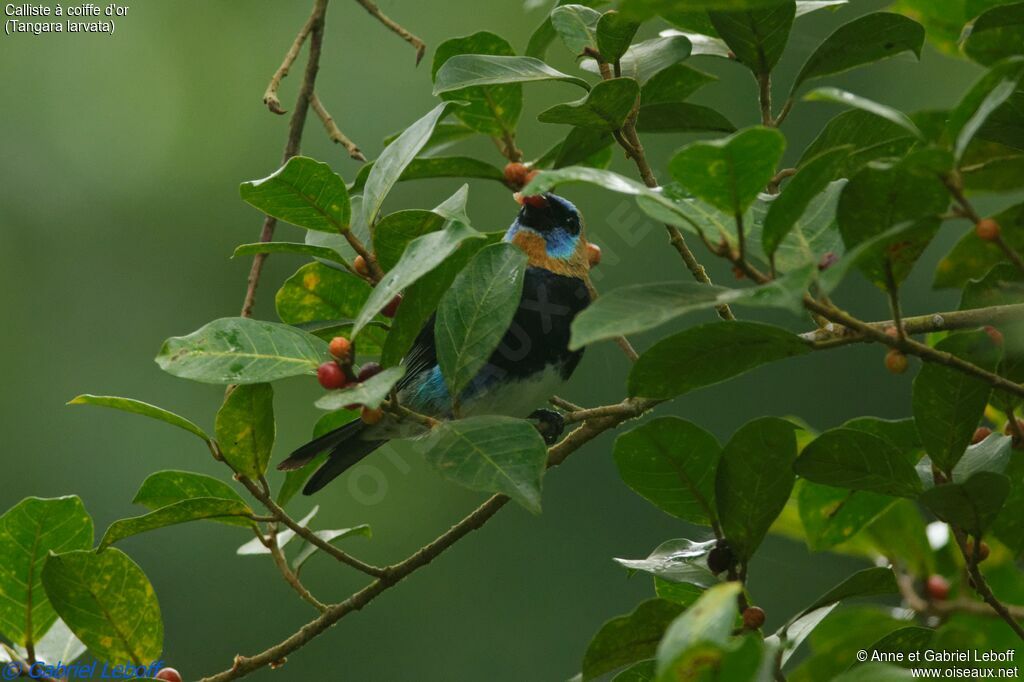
[
  {"x": 948, "y": 404},
  {"x": 108, "y": 603},
  {"x": 644, "y": 671},
  {"x": 674, "y": 84},
  {"x": 545, "y": 34},
  {"x": 476, "y": 311},
  {"x": 810, "y": 181},
  {"x": 678, "y": 561},
  {"x": 864, "y": 40},
  {"x": 756, "y": 37},
  {"x": 643, "y": 60},
  {"x": 576, "y": 25},
  {"x": 59, "y": 645},
  {"x": 318, "y": 292},
  {"x": 370, "y": 393},
  {"x": 165, "y": 488},
  {"x": 395, "y": 230},
  {"x": 309, "y": 550},
  {"x": 911, "y": 638},
  {"x": 1009, "y": 527},
  {"x": 754, "y": 479},
  {"x": 491, "y": 109},
  {"x": 831, "y": 516},
  {"x": 493, "y": 454},
  {"x": 423, "y": 168},
  {"x": 138, "y": 407},
  {"x": 303, "y": 192},
  {"x": 579, "y": 146},
  {"x": 813, "y": 236},
  {"x": 467, "y": 70},
  {"x": 849, "y": 458},
  {"x": 388, "y": 168},
  {"x": 992, "y": 454},
  {"x": 637, "y": 308},
  {"x": 671, "y": 463},
  {"x": 709, "y": 354},
  {"x": 1006, "y": 125},
  {"x": 868, "y": 582},
  {"x": 422, "y": 255},
  {"x": 296, "y": 479},
  {"x": 240, "y": 350},
  {"x": 870, "y": 255},
  {"x": 445, "y": 135},
  {"x": 870, "y": 136},
  {"x": 288, "y": 247},
  {"x": 982, "y": 101},
  {"x": 971, "y": 257},
  {"x": 614, "y": 35},
  {"x": 604, "y": 108},
  {"x": 709, "y": 620},
  {"x": 866, "y": 105},
  {"x": 729, "y": 173},
  {"x": 972, "y": 505},
  {"x": 628, "y": 638},
  {"x": 28, "y": 532},
  {"x": 245, "y": 429},
  {"x": 681, "y": 117},
  {"x": 421, "y": 298},
  {"x": 184, "y": 511},
  {"x": 997, "y": 33}
]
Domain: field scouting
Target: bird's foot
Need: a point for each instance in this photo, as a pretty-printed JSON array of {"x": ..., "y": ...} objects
[{"x": 550, "y": 425}]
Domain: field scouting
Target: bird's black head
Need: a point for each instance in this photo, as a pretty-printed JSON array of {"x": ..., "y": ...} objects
[{"x": 545, "y": 212}]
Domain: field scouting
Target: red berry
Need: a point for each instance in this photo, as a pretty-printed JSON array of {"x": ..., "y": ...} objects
[
  {"x": 371, "y": 416},
  {"x": 368, "y": 370},
  {"x": 391, "y": 309},
  {"x": 980, "y": 434},
  {"x": 169, "y": 675},
  {"x": 331, "y": 375},
  {"x": 593, "y": 254},
  {"x": 352, "y": 407},
  {"x": 987, "y": 229},
  {"x": 361, "y": 267},
  {"x": 937, "y": 587},
  {"x": 738, "y": 273},
  {"x": 896, "y": 362},
  {"x": 340, "y": 347},
  {"x": 994, "y": 334},
  {"x": 753, "y": 618},
  {"x": 516, "y": 175}
]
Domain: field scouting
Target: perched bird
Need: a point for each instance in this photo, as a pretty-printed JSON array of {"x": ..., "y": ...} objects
[{"x": 531, "y": 362}]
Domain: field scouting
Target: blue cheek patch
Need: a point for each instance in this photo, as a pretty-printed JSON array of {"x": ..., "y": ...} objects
[{"x": 560, "y": 244}]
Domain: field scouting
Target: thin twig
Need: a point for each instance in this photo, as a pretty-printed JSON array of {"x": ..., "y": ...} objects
[
  {"x": 945, "y": 608},
  {"x": 395, "y": 27},
  {"x": 286, "y": 572},
  {"x": 270, "y": 96},
  {"x": 979, "y": 583},
  {"x": 894, "y": 300},
  {"x": 333, "y": 131},
  {"x": 292, "y": 146},
  {"x": 563, "y": 404},
  {"x": 764, "y": 97}
]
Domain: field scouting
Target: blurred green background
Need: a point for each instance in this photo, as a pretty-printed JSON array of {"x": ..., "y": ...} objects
[{"x": 119, "y": 211}]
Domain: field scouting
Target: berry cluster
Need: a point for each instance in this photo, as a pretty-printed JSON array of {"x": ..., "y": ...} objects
[{"x": 340, "y": 373}]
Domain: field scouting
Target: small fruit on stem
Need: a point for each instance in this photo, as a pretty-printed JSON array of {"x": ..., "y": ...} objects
[
  {"x": 896, "y": 362},
  {"x": 753, "y": 618},
  {"x": 168, "y": 675},
  {"x": 937, "y": 587},
  {"x": 391, "y": 309},
  {"x": 368, "y": 370},
  {"x": 516, "y": 175},
  {"x": 983, "y": 550},
  {"x": 360, "y": 266},
  {"x": 980, "y": 434},
  {"x": 995, "y": 335},
  {"x": 593, "y": 254},
  {"x": 535, "y": 200},
  {"x": 340, "y": 347},
  {"x": 371, "y": 416},
  {"x": 987, "y": 229},
  {"x": 331, "y": 375}
]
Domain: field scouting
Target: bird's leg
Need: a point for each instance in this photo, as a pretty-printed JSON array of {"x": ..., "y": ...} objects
[{"x": 550, "y": 425}]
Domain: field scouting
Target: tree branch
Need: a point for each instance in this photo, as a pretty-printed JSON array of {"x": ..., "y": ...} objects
[
  {"x": 919, "y": 604},
  {"x": 286, "y": 572},
  {"x": 333, "y": 131},
  {"x": 979, "y": 583},
  {"x": 270, "y": 96},
  {"x": 393, "y": 26},
  {"x": 295, "y": 127}
]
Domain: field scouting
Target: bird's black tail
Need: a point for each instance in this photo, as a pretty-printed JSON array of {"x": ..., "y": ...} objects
[{"x": 346, "y": 449}]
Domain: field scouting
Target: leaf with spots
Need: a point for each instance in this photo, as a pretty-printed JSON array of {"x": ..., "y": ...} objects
[
  {"x": 245, "y": 428},
  {"x": 107, "y": 601},
  {"x": 240, "y": 350},
  {"x": 28, "y": 532},
  {"x": 492, "y": 109},
  {"x": 183, "y": 511},
  {"x": 475, "y": 313},
  {"x": 494, "y": 454},
  {"x": 168, "y": 487},
  {"x": 318, "y": 292}
]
